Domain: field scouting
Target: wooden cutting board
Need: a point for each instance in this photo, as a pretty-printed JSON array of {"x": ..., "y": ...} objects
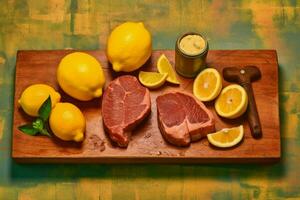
[{"x": 147, "y": 144}]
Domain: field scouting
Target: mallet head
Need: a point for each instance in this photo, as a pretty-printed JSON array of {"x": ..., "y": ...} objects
[{"x": 240, "y": 75}]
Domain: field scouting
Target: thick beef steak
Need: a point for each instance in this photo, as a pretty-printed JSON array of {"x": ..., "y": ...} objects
[
  {"x": 182, "y": 118},
  {"x": 125, "y": 104}
]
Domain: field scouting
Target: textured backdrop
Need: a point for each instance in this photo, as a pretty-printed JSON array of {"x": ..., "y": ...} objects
[{"x": 236, "y": 24}]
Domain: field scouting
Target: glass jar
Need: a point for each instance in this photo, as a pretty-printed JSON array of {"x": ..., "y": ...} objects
[{"x": 189, "y": 64}]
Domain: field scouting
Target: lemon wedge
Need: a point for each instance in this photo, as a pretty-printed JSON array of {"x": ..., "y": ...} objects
[
  {"x": 226, "y": 137},
  {"x": 152, "y": 80},
  {"x": 232, "y": 102},
  {"x": 164, "y": 66},
  {"x": 207, "y": 85}
]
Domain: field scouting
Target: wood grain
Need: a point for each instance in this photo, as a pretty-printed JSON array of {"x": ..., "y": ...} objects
[{"x": 147, "y": 144}]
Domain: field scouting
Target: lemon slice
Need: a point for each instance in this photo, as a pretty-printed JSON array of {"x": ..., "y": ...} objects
[
  {"x": 226, "y": 137},
  {"x": 152, "y": 79},
  {"x": 208, "y": 84},
  {"x": 164, "y": 66},
  {"x": 232, "y": 102}
]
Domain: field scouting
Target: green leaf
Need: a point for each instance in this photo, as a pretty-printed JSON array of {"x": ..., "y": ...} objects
[
  {"x": 45, "y": 109},
  {"x": 45, "y": 132},
  {"x": 38, "y": 124},
  {"x": 28, "y": 129}
]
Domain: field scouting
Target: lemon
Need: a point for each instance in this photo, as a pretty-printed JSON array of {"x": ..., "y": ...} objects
[
  {"x": 207, "y": 85},
  {"x": 152, "y": 80},
  {"x": 129, "y": 46},
  {"x": 80, "y": 75},
  {"x": 232, "y": 102},
  {"x": 35, "y": 95},
  {"x": 164, "y": 66},
  {"x": 227, "y": 137},
  {"x": 67, "y": 122}
]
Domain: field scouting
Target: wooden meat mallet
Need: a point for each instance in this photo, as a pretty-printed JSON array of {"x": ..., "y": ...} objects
[{"x": 244, "y": 76}]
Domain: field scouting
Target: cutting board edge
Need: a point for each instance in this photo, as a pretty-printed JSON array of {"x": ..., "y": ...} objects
[{"x": 145, "y": 160}]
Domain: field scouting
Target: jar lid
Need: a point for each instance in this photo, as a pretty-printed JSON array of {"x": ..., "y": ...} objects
[{"x": 192, "y": 44}]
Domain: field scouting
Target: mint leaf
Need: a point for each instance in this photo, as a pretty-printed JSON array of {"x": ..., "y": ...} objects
[
  {"x": 45, "y": 109},
  {"x": 28, "y": 129},
  {"x": 38, "y": 124},
  {"x": 45, "y": 132}
]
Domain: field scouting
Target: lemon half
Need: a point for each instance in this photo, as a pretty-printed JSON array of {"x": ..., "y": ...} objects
[
  {"x": 207, "y": 85},
  {"x": 227, "y": 137},
  {"x": 232, "y": 102}
]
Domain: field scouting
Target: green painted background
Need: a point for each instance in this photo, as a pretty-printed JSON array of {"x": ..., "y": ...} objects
[{"x": 243, "y": 24}]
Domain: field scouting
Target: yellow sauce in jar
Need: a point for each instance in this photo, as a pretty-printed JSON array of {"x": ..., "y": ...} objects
[{"x": 192, "y": 44}]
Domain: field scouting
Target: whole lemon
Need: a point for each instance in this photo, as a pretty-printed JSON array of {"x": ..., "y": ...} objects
[
  {"x": 35, "y": 95},
  {"x": 81, "y": 76},
  {"x": 129, "y": 46},
  {"x": 67, "y": 122}
]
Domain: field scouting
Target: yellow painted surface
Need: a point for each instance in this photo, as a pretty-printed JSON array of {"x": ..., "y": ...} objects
[{"x": 1, "y": 128}]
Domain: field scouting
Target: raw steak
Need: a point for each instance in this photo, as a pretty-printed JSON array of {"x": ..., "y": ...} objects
[
  {"x": 182, "y": 118},
  {"x": 125, "y": 104}
]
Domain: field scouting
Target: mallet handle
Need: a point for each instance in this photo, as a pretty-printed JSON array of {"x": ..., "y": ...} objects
[{"x": 252, "y": 113}]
